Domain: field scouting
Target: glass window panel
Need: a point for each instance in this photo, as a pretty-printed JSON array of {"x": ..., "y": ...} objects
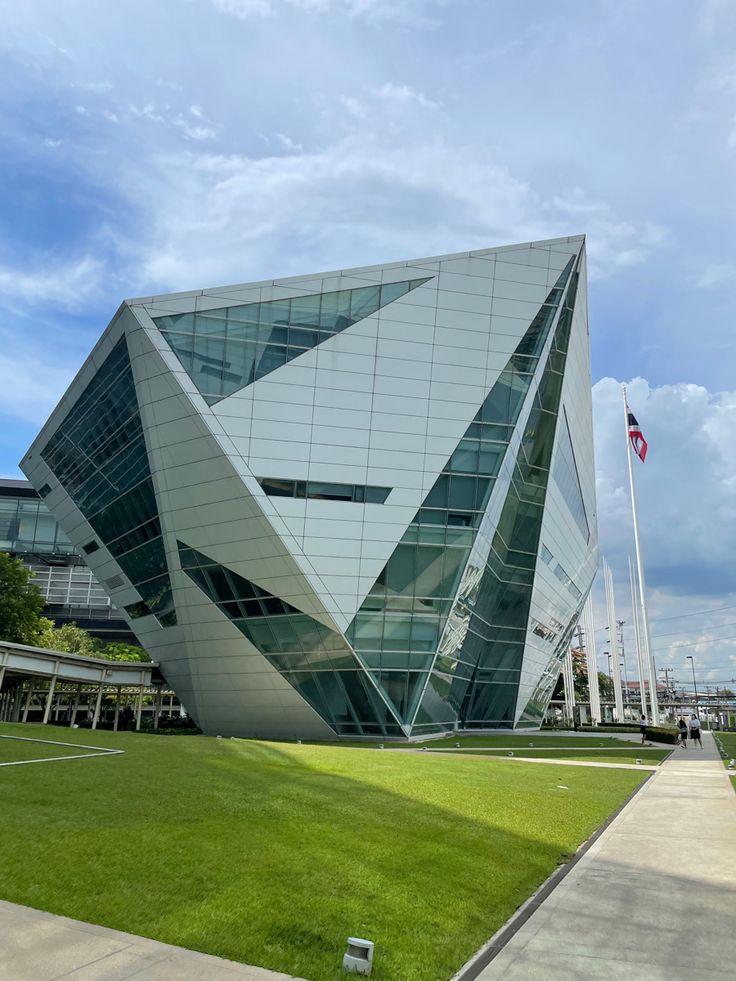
[
  {"x": 364, "y": 301},
  {"x": 305, "y": 310},
  {"x": 392, "y": 291},
  {"x": 275, "y": 312}
]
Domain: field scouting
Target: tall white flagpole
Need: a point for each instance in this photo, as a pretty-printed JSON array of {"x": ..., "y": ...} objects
[
  {"x": 591, "y": 661},
  {"x": 613, "y": 643},
  {"x": 637, "y": 639},
  {"x": 647, "y": 636}
]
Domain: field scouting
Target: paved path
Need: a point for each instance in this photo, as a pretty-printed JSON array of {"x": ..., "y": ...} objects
[
  {"x": 36, "y": 946},
  {"x": 653, "y": 899}
]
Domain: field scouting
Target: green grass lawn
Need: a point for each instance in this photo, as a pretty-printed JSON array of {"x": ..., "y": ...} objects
[
  {"x": 12, "y": 750},
  {"x": 510, "y": 739},
  {"x": 590, "y": 755},
  {"x": 729, "y": 743},
  {"x": 272, "y": 854}
]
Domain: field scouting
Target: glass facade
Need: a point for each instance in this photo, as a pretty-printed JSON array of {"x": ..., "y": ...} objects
[
  {"x": 314, "y": 659},
  {"x": 412, "y": 460},
  {"x": 565, "y": 474},
  {"x": 226, "y": 349},
  {"x": 27, "y": 525},
  {"x": 321, "y": 491},
  {"x": 478, "y": 670},
  {"x": 401, "y": 624},
  {"x": 99, "y": 456}
]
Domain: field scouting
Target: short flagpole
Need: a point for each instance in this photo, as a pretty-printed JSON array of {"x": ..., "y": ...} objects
[{"x": 647, "y": 636}]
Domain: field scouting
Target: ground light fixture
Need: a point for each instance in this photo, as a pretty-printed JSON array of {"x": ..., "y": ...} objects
[{"x": 358, "y": 958}]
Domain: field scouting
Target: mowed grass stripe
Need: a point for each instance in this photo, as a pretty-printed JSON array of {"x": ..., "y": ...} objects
[{"x": 272, "y": 854}]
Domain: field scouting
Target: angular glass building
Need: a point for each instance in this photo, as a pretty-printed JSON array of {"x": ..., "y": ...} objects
[{"x": 359, "y": 503}]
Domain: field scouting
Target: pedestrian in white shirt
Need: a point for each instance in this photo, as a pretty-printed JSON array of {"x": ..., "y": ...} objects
[{"x": 694, "y": 726}]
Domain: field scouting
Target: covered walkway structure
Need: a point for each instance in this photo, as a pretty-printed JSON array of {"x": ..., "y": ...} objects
[{"x": 61, "y": 685}]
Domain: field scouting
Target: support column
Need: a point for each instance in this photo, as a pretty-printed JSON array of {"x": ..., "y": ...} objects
[
  {"x": 73, "y": 718},
  {"x": 156, "y": 708},
  {"x": 139, "y": 709},
  {"x": 117, "y": 711},
  {"x": 98, "y": 703},
  {"x": 27, "y": 706},
  {"x": 49, "y": 701}
]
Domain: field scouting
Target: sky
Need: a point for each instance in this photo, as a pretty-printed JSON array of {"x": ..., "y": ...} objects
[{"x": 153, "y": 147}]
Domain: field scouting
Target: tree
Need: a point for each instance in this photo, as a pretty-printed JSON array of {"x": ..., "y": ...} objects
[
  {"x": 116, "y": 650},
  {"x": 68, "y": 638},
  {"x": 605, "y": 687},
  {"x": 21, "y": 602}
]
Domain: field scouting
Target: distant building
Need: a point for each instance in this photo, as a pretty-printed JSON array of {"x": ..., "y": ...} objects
[
  {"x": 359, "y": 502},
  {"x": 30, "y": 532}
]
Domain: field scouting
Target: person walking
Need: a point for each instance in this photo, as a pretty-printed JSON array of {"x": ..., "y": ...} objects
[
  {"x": 643, "y": 728},
  {"x": 683, "y": 732},
  {"x": 695, "y": 730}
]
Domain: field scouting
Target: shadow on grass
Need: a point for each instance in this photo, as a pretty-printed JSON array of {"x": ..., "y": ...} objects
[{"x": 274, "y": 855}]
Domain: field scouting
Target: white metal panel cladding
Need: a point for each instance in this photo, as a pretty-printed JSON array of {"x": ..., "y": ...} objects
[{"x": 350, "y": 489}]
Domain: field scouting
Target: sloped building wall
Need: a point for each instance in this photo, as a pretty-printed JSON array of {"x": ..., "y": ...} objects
[{"x": 358, "y": 503}]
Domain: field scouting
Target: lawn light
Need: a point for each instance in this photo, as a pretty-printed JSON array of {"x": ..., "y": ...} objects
[
  {"x": 358, "y": 957},
  {"x": 299, "y": 742},
  {"x": 381, "y": 746},
  {"x": 531, "y": 744},
  {"x": 424, "y": 749},
  {"x": 509, "y": 754},
  {"x": 457, "y": 745},
  {"x": 638, "y": 761},
  {"x": 219, "y": 737},
  {"x": 732, "y": 764}
]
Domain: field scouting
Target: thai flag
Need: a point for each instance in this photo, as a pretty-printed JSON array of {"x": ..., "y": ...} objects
[{"x": 638, "y": 442}]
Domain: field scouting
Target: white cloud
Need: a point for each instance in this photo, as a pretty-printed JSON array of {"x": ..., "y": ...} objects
[
  {"x": 65, "y": 285},
  {"x": 417, "y": 13},
  {"x": 51, "y": 143},
  {"x": 288, "y": 144},
  {"x": 715, "y": 274},
  {"x": 177, "y": 120},
  {"x": 405, "y": 95},
  {"x": 686, "y": 492}
]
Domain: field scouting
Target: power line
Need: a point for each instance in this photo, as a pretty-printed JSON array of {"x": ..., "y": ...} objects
[
  {"x": 680, "y": 616},
  {"x": 695, "y": 643},
  {"x": 676, "y": 633},
  {"x": 695, "y": 613}
]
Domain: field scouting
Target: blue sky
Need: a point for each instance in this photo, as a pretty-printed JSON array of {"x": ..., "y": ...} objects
[{"x": 150, "y": 147}]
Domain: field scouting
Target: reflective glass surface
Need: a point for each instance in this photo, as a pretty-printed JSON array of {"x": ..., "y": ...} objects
[
  {"x": 493, "y": 603},
  {"x": 565, "y": 474},
  {"x": 26, "y": 525},
  {"x": 322, "y": 491},
  {"x": 98, "y": 455},
  {"x": 403, "y": 622},
  {"x": 226, "y": 349},
  {"x": 314, "y": 659}
]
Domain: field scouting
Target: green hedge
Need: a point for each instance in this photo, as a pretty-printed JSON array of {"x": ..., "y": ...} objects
[{"x": 658, "y": 734}]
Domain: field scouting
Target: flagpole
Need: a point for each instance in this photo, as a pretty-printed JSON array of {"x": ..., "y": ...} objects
[
  {"x": 613, "y": 642},
  {"x": 647, "y": 636},
  {"x": 637, "y": 639}
]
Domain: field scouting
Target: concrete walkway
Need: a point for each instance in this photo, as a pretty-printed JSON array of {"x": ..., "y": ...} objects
[
  {"x": 653, "y": 898},
  {"x": 36, "y": 946}
]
